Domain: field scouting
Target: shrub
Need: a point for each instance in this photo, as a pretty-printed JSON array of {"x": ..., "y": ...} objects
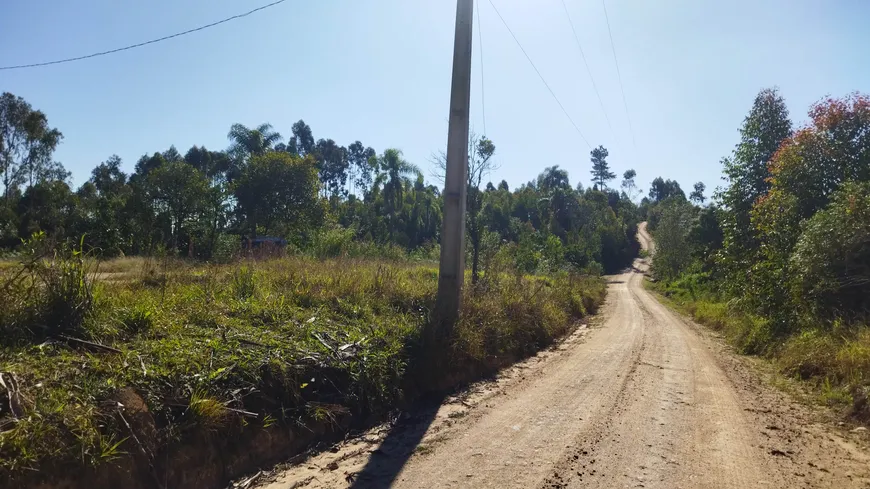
[
  {"x": 832, "y": 257},
  {"x": 48, "y": 297}
]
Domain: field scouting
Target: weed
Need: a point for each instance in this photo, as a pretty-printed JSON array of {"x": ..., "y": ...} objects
[
  {"x": 137, "y": 319},
  {"x": 207, "y": 410},
  {"x": 244, "y": 283}
]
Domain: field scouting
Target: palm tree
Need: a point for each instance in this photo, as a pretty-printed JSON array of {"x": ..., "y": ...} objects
[
  {"x": 394, "y": 172},
  {"x": 251, "y": 142}
]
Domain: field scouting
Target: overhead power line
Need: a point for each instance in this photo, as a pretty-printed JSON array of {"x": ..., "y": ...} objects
[
  {"x": 153, "y": 41},
  {"x": 482, "y": 85},
  {"x": 618, "y": 75},
  {"x": 540, "y": 75},
  {"x": 588, "y": 70}
]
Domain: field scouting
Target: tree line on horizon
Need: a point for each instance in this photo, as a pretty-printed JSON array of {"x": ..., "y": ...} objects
[{"x": 315, "y": 193}]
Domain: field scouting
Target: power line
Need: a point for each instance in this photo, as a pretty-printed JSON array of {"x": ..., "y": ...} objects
[
  {"x": 482, "y": 85},
  {"x": 153, "y": 41},
  {"x": 585, "y": 63},
  {"x": 539, "y": 75},
  {"x": 619, "y": 76}
]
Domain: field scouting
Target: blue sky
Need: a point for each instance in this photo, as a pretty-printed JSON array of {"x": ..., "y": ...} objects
[{"x": 379, "y": 71}]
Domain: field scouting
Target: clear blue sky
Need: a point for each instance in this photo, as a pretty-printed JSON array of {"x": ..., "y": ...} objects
[{"x": 379, "y": 71}]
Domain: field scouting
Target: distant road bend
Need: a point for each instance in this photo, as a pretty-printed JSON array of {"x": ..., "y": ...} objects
[{"x": 643, "y": 398}]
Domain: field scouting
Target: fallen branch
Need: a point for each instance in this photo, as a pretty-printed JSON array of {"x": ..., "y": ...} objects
[
  {"x": 10, "y": 383},
  {"x": 90, "y": 343},
  {"x": 323, "y": 342},
  {"x": 242, "y": 412}
]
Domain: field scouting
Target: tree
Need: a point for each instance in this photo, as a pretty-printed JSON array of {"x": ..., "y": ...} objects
[
  {"x": 332, "y": 164},
  {"x": 832, "y": 257},
  {"x": 178, "y": 191},
  {"x": 147, "y": 164},
  {"x": 246, "y": 142},
  {"x": 553, "y": 178},
  {"x": 805, "y": 172},
  {"x": 673, "y": 251},
  {"x": 104, "y": 200},
  {"x": 662, "y": 189},
  {"x": 47, "y": 206},
  {"x": 213, "y": 164},
  {"x": 697, "y": 195},
  {"x": 302, "y": 141},
  {"x": 26, "y": 146},
  {"x": 394, "y": 172},
  {"x": 277, "y": 192},
  {"x": 361, "y": 162},
  {"x": 480, "y": 164},
  {"x": 628, "y": 185},
  {"x": 746, "y": 173},
  {"x": 601, "y": 173}
]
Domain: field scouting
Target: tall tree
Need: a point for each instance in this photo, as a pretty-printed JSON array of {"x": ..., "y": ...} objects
[
  {"x": 746, "y": 173},
  {"x": 601, "y": 173},
  {"x": 662, "y": 189},
  {"x": 277, "y": 193},
  {"x": 553, "y": 178},
  {"x": 178, "y": 191},
  {"x": 26, "y": 145},
  {"x": 697, "y": 195},
  {"x": 247, "y": 142},
  {"x": 302, "y": 141},
  {"x": 480, "y": 164},
  {"x": 332, "y": 164},
  {"x": 628, "y": 185},
  {"x": 394, "y": 172},
  {"x": 362, "y": 161}
]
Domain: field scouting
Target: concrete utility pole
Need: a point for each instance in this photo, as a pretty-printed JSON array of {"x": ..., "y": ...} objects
[{"x": 452, "y": 268}]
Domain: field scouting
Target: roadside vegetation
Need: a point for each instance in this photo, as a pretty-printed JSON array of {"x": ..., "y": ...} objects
[
  {"x": 244, "y": 346},
  {"x": 780, "y": 261},
  {"x": 225, "y": 301}
]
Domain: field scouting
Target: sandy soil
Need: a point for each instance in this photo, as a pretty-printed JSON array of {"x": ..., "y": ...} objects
[{"x": 638, "y": 398}]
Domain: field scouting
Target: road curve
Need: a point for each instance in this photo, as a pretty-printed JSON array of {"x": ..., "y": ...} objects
[{"x": 641, "y": 399}]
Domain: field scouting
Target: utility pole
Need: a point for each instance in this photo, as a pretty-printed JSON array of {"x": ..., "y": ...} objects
[{"x": 452, "y": 266}]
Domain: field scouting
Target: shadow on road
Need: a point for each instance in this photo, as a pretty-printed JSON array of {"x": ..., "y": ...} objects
[{"x": 403, "y": 439}]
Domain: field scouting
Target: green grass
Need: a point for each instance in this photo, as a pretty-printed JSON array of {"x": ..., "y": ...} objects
[
  {"x": 831, "y": 359},
  {"x": 246, "y": 346}
]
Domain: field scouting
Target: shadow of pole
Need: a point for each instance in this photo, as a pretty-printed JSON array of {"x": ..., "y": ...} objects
[{"x": 401, "y": 442}]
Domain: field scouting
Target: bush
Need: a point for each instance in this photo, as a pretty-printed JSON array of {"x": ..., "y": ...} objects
[
  {"x": 332, "y": 242},
  {"x": 832, "y": 257},
  {"x": 47, "y": 297}
]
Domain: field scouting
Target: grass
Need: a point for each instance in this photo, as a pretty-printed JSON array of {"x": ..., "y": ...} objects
[
  {"x": 241, "y": 346},
  {"x": 832, "y": 359}
]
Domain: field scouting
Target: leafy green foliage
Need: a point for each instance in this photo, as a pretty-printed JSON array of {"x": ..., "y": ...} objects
[
  {"x": 786, "y": 246},
  {"x": 832, "y": 257},
  {"x": 277, "y": 192},
  {"x": 673, "y": 250}
]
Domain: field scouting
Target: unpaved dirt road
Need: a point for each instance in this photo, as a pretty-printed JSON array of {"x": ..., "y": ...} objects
[{"x": 641, "y": 398}]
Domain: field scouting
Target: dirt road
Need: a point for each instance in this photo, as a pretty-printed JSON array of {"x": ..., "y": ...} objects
[{"x": 642, "y": 398}]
